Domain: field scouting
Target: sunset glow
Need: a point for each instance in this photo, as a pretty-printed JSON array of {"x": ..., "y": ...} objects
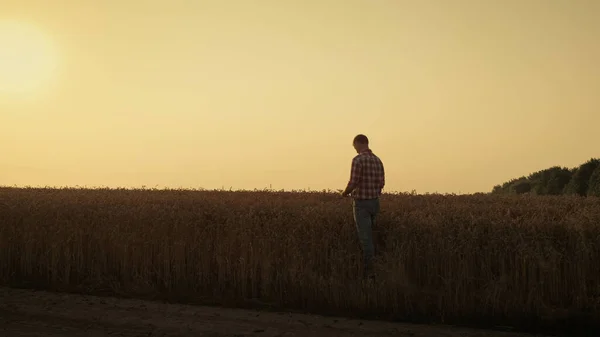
[
  {"x": 28, "y": 59},
  {"x": 455, "y": 96}
]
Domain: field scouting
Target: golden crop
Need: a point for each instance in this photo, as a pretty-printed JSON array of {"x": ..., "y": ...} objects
[{"x": 495, "y": 259}]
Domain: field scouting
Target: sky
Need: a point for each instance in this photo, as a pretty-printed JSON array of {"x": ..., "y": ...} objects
[{"x": 455, "y": 96}]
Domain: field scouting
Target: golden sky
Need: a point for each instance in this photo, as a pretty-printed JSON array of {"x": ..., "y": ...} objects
[{"x": 455, "y": 96}]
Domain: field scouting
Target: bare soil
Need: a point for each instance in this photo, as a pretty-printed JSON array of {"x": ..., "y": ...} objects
[{"x": 40, "y": 313}]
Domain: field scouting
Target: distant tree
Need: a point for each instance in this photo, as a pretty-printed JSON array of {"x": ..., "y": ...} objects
[
  {"x": 521, "y": 186},
  {"x": 549, "y": 181},
  {"x": 507, "y": 187},
  {"x": 537, "y": 181},
  {"x": 578, "y": 185},
  {"x": 594, "y": 184},
  {"x": 558, "y": 178}
]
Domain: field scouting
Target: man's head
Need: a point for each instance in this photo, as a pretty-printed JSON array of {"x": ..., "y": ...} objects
[{"x": 360, "y": 143}]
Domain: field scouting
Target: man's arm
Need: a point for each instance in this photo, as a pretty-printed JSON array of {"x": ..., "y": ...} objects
[{"x": 354, "y": 177}]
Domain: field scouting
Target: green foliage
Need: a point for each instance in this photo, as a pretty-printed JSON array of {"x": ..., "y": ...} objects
[
  {"x": 521, "y": 187},
  {"x": 550, "y": 181},
  {"x": 594, "y": 184},
  {"x": 581, "y": 178},
  {"x": 513, "y": 186},
  {"x": 556, "y": 180}
]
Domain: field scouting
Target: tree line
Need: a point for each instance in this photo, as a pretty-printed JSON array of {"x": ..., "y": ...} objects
[{"x": 583, "y": 180}]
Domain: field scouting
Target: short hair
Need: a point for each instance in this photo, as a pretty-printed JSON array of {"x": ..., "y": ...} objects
[{"x": 361, "y": 139}]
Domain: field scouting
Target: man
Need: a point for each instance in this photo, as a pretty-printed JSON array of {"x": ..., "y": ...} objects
[{"x": 367, "y": 179}]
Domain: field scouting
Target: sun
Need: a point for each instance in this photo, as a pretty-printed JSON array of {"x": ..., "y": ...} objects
[{"x": 28, "y": 59}]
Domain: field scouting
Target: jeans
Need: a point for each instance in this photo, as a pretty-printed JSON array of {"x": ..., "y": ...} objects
[{"x": 365, "y": 212}]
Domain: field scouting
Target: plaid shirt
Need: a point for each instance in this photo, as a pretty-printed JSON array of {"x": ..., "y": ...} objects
[{"x": 367, "y": 177}]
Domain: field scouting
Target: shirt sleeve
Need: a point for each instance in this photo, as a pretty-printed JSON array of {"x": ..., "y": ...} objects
[{"x": 355, "y": 172}]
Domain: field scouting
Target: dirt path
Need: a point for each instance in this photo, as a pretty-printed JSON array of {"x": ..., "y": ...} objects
[{"x": 38, "y": 313}]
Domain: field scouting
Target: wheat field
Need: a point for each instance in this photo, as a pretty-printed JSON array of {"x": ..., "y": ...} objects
[{"x": 493, "y": 260}]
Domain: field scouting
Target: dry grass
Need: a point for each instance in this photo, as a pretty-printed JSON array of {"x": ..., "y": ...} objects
[{"x": 489, "y": 259}]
